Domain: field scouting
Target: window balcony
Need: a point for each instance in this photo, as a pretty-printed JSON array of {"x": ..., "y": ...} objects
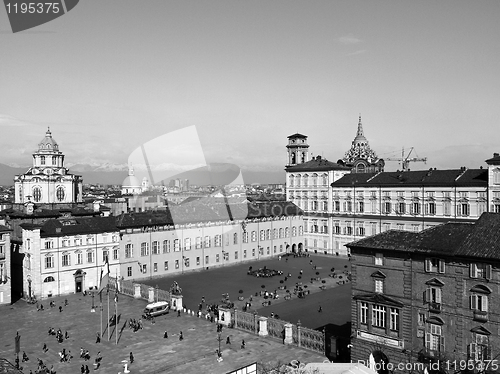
[
  {"x": 480, "y": 316},
  {"x": 435, "y": 307}
]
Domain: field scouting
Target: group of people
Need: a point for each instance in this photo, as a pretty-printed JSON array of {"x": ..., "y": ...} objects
[
  {"x": 58, "y": 334},
  {"x": 65, "y": 356},
  {"x": 135, "y": 325},
  {"x": 85, "y": 354}
]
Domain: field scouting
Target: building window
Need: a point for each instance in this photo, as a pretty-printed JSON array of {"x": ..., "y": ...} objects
[
  {"x": 177, "y": 264},
  {"x": 379, "y": 285},
  {"x": 361, "y": 207},
  {"x": 166, "y": 246},
  {"x": 187, "y": 244},
  {"x": 254, "y": 236},
  {"x": 244, "y": 253},
  {"x": 90, "y": 256},
  {"x": 37, "y": 194},
  {"x": 337, "y": 206},
  {"x": 217, "y": 257},
  {"x": 379, "y": 259},
  {"x": 434, "y": 265},
  {"x": 363, "y": 313},
  {"x": 115, "y": 254},
  {"x": 287, "y": 232},
  {"x": 155, "y": 247},
  {"x": 155, "y": 267},
  {"x": 49, "y": 244},
  {"x": 144, "y": 249},
  {"x": 415, "y": 208},
  {"x": 144, "y": 269},
  {"x": 197, "y": 260},
  {"x": 245, "y": 237},
  {"x": 253, "y": 252},
  {"x": 79, "y": 258},
  {"x": 478, "y": 270},
  {"x": 394, "y": 319},
  {"x": 186, "y": 262},
  {"x": 217, "y": 241},
  {"x": 206, "y": 260},
  {"x": 480, "y": 350},
  {"x": 401, "y": 208},
  {"x": 387, "y": 207},
  {"x": 207, "y": 241},
  {"x": 262, "y": 235},
  {"x": 129, "y": 250},
  {"x": 60, "y": 193},
  {"x": 378, "y": 316},
  {"x": 199, "y": 241},
  {"x": 479, "y": 302},
  {"x": 105, "y": 256},
  {"x": 66, "y": 259},
  {"x": 433, "y": 298},
  {"x": 294, "y": 231},
  {"x": 177, "y": 246},
  {"x": 433, "y": 339},
  {"x": 463, "y": 209},
  {"x": 421, "y": 319},
  {"x": 165, "y": 265},
  {"x": 129, "y": 271},
  {"x": 235, "y": 255},
  {"x": 430, "y": 209},
  {"x": 447, "y": 208}
]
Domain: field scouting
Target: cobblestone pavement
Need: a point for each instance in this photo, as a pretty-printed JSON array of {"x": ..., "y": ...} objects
[{"x": 153, "y": 353}]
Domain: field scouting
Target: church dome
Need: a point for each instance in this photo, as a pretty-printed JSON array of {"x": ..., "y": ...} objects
[
  {"x": 131, "y": 180},
  {"x": 48, "y": 143}
]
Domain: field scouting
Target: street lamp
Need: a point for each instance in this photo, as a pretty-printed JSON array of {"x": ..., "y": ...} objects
[{"x": 93, "y": 306}]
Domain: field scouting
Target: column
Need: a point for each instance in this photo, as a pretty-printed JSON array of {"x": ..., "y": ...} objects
[
  {"x": 288, "y": 334},
  {"x": 263, "y": 326},
  {"x": 137, "y": 291}
]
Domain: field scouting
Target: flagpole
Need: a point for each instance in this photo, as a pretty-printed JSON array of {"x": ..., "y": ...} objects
[
  {"x": 109, "y": 327},
  {"x": 116, "y": 308},
  {"x": 100, "y": 297}
]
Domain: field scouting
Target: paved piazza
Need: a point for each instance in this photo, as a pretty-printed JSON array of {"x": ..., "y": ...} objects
[{"x": 153, "y": 353}]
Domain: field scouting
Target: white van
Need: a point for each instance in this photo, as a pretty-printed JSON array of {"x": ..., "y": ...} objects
[{"x": 156, "y": 309}]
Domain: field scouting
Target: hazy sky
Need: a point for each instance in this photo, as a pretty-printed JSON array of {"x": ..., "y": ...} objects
[{"x": 111, "y": 75}]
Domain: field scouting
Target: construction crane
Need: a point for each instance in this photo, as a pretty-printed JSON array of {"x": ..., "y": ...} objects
[{"x": 405, "y": 161}]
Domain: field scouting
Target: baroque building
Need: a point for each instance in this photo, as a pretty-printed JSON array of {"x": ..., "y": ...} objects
[
  {"x": 427, "y": 301},
  {"x": 360, "y": 157},
  {"x": 48, "y": 181}
]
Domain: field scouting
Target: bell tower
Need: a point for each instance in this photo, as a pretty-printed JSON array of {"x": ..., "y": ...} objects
[{"x": 297, "y": 149}]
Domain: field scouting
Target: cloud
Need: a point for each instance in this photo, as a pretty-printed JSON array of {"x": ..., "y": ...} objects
[
  {"x": 358, "y": 52},
  {"x": 349, "y": 39},
  {"x": 6, "y": 120}
]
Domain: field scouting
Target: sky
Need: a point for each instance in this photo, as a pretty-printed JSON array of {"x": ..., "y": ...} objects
[{"x": 111, "y": 75}]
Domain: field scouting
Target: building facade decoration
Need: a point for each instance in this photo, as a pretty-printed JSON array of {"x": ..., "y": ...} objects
[
  {"x": 360, "y": 157},
  {"x": 435, "y": 307},
  {"x": 48, "y": 181}
]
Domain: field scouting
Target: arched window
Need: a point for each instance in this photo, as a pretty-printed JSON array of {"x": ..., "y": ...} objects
[
  {"x": 324, "y": 178},
  {"x": 304, "y": 181},
  {"x": 60, "y": 194},
  {"x": 315, "y": 180},
  {"x": 235, "y": 238},
  {"x": 292, "y": 161},
  {"x": 297, "y": 181},
  {"x": 37, "y": 194},
  {"x": 49, "y": 279},
  {"x": 496, "y": 176},
  {"x": 54, "y": 160},
  {"x": 291, "y": 180}
]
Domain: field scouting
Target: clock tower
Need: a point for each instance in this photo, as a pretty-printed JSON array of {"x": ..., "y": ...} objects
[
  {"x": 48, "y": 181},
  {"x": 297, "y": 149}
]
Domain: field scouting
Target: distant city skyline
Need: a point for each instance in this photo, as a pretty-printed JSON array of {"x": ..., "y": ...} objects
[{"x": 249, "y": 74}]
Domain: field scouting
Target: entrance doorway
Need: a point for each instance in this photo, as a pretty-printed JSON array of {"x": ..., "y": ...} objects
[{"x": 78, "y": 284}]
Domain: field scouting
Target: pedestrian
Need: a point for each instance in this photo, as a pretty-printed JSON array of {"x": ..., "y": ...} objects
[
  {"x": 228, "y": 341},
  {"x": 45, "y": 349},
  {"x": 131, "y": 358},
  {"x": 82, "y": 369},
  {"x": 87, "y": 370},
  {"x": 66, "y": 335},
  {"x": 52, "y": 370},
  {"x": 243, "y": 342},
  {"x": 181, "y": 337},
  {"x": 98, "y": 338},
  {"x": 25, "y": 357},
  {"x": 179, "y": 313},
  {"x": 60, "y": 309},
  {"x": 66, "y": 302},
  {"x": 320, "y": 309},
  {"x": 203, "y": 299},
  {"x": 165, "y": 335}
]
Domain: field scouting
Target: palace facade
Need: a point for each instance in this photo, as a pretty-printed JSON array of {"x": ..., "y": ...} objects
[{"x": 428, "y": 300}]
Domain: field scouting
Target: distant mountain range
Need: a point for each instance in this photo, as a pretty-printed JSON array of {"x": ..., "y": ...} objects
[{"x": 216, "y": 174}]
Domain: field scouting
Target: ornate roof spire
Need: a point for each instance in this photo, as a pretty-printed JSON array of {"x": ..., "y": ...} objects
[{"x": 360, "y": 136}]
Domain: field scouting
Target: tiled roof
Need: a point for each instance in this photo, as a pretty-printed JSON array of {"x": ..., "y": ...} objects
[
  {"x": 207, "y": 211},
  {"x": 297, "y": 135},
  {"x": 418, "y": 178},
  {"x": 495, "y": 160},
  {"x": 484, "y": 240},
  {"x": 479, "y": 239},
  {"x": 316, "y": 164},
  {"x": 90, "y": 225}
]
